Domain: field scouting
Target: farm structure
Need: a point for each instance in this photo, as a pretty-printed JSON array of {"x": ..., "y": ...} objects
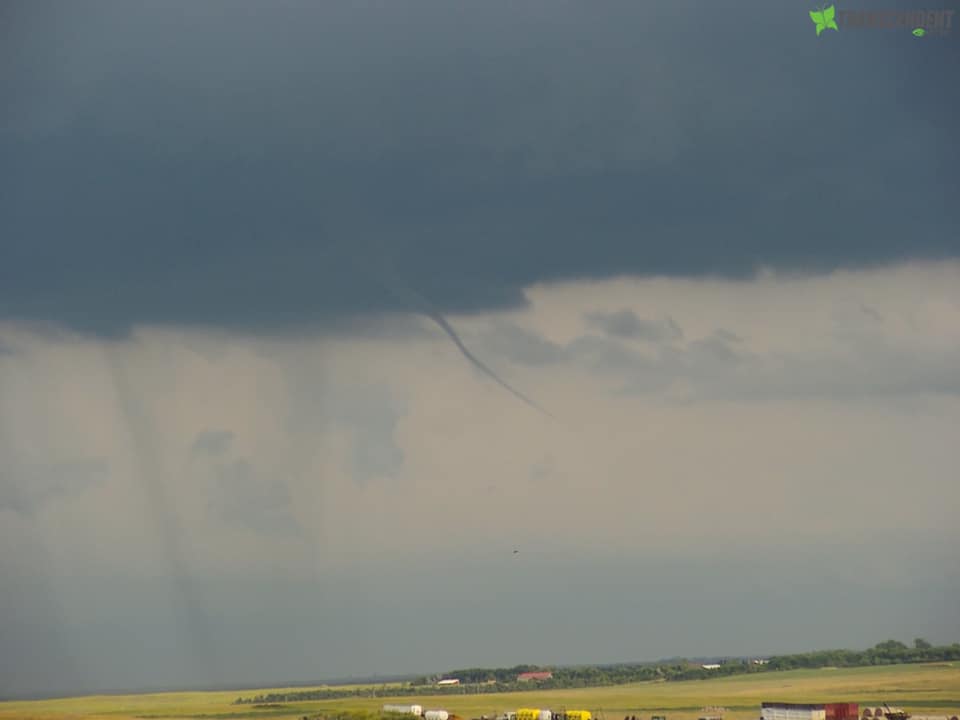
[
  {"x": 539, "y": 675},
  {"x": 804, "y": 711},
  {"x": 840, "y": 711},
  {"x": 889, "y": 713}
]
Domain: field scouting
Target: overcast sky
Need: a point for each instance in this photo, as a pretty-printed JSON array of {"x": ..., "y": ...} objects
[{"x": 721, "y": 253}]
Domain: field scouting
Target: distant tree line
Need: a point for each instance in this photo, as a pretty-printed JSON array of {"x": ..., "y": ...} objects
[
  {"x": 891, "y": 652},
  {"x": 498, "y": 680}
]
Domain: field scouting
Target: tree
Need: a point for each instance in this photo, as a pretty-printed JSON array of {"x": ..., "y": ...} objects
[
  {"x": 891, "y": 646},
  {"x": 921, "y": 644}
]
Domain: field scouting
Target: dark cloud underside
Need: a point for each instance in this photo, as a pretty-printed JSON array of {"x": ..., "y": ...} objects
[{"x": 240, "y": 165}]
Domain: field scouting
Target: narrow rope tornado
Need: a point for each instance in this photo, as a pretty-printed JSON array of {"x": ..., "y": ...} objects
[
  {"x": 138, "y": 423},
  {"x": 391, "y": 281}
]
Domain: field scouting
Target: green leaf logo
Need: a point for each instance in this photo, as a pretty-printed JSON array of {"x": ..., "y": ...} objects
[
  {"x": 824, "y": 18},
  {"x": 919, "y": 32}
]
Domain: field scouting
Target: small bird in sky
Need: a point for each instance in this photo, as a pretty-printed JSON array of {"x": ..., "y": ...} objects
[{"x": 515, "y": 551}]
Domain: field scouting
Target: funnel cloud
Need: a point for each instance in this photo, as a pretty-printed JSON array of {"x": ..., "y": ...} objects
[{"x": 420, "y": 304}]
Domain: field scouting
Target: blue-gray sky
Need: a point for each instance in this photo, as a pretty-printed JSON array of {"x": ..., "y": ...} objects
[{"x": 720, "y": 250}]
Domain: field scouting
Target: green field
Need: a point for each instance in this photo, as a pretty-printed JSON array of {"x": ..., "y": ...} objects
[{"x": 932, "y": 689}]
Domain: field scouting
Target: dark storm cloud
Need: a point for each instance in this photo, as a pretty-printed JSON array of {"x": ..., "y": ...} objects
[
  {"x": 235, "y": 164},
  {"x": 244, "y": 497},
  {"x": 26, "y": 485},
  {"x": 376, "y": 455},
  {"x": 719, "y": 366},
  {"x": 625, "y": 323},
  {"x": 240, "y": 494},
  {"x": 603, "y": 354},
  {"x": 872, "y": 313},
  {"x": 212, "y": 442},
  {"x": 522, "y": 346},
  {"x": 372, "y": 413}
]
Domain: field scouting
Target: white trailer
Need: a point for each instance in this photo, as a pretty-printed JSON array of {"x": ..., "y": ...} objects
[
  {"x": 792, "y": 711},
  {"x": 404, "y": 709}
]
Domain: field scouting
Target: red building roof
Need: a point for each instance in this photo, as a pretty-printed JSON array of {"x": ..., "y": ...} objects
[{"x": 534, "y": 676}]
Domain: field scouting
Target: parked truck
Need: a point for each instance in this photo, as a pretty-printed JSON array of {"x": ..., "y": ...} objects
[{"x": 534, "y": 714}]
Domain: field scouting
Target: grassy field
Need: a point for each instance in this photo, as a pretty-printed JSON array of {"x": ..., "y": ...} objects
[{"x": 921, "y": 689}]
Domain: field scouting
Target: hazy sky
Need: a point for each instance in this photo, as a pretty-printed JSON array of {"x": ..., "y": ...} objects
[{"x": 721, "y": 252}]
